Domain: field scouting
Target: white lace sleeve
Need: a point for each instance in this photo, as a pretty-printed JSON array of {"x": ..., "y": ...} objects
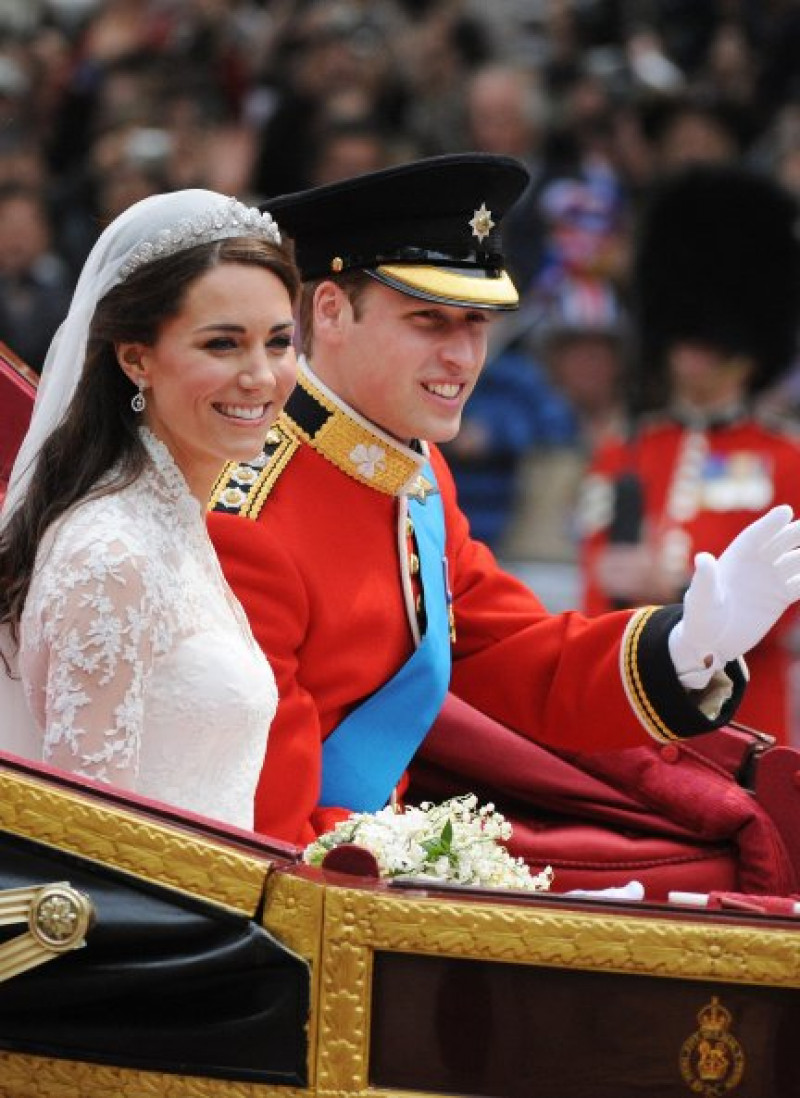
[{"x": 94, "y": 653}]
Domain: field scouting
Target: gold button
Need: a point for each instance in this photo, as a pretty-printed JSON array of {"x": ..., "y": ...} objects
[
  {"x": 409, "y": 527},
  {"x": 413, "y": 564},
  {"x": 418, "y": 604}
]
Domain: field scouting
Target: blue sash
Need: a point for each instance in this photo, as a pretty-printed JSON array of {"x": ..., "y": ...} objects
[{"x": 365, "y": 756}]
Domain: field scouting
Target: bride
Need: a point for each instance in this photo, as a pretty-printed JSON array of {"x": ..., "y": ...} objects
[{"x": 125, "y": 657}]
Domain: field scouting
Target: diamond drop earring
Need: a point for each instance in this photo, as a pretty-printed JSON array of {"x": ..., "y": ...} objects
[{"x": 138, "y": 403}]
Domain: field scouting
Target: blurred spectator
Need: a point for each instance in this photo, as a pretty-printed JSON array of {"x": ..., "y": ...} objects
[
  {"x": 333, "y": 60},
  {"x": 650, "y": 65},
  {"x": 513, "y": 412},
  {"x": 585, "y": 207},
  {"x": 15, "y": 86},
  {"x": 586, "y": 242},
  {"x": 729, "y": 71},
  {"x": 777, "y": 151},
  {"x": 582, "y": 340},
  {"x": 506, "y": 112},
  {"x": 775, "y": 30},
  {"x": 123, "y": 164},
  {"x": 684, "y": 29},
  {"x": 346, "y": 148},
  {"x": 691, "y": 128},
  {"x": 22, "y": 159},
  {"x": 35, "y": 286},
  {"x": 440, "y": 46}
]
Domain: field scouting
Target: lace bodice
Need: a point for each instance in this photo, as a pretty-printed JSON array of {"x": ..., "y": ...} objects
[{"x": 137, "y": 660}]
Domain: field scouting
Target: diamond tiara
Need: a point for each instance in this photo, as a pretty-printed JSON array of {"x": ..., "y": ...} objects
[{"x": 229, "y": 220}]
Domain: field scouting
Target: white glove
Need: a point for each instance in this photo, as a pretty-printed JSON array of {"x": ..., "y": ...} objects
[{"x": 734, "y": 600}]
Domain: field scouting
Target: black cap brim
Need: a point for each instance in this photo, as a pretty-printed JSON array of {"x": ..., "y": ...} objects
[{"x": 429, "y": 228}]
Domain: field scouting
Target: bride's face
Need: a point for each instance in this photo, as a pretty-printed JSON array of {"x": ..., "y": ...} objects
[{"x": 220, "y": 371}]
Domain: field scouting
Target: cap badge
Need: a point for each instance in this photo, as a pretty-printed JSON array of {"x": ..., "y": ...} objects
[{"x": 481, "y": 223}]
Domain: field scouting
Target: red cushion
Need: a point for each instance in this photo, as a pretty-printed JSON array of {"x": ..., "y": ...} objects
[{"x": 671, "y": 818}]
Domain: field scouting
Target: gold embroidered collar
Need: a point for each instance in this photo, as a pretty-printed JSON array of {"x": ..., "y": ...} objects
[{"x": 350, "y": 442}]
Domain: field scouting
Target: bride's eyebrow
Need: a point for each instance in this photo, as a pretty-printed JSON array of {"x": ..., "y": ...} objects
[{"x": 222, "y": 326}]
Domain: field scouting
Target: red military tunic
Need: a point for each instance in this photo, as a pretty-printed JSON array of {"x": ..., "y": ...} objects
[
  {"x": 314, "y": 543},
  {"x": 700, "y": 489}
]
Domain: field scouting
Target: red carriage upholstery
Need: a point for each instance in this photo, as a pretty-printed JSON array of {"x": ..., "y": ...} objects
[
  {"x": 675, "y": 817},
  {"x": 17, "y": 393}
]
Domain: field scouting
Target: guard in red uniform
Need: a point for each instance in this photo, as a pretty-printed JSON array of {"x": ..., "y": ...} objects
[
  {"x": 345, "y": 543},
  {"x": 716, "y": 281}
]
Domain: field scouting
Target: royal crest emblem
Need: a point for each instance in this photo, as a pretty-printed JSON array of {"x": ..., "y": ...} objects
[{"x": 712, "y": 1060}]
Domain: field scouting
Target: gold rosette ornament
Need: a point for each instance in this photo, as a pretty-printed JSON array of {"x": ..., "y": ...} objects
[{"x": 58, "y": 918}]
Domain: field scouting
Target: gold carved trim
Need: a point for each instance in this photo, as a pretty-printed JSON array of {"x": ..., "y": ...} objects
[
  {"x": 339, "y": 929},
  {"x": 358, "y": 923},
  {"x": 294, "y": 913},
  {"x": 39, "y": 1077},
  {"x": 112, "y": 836}
]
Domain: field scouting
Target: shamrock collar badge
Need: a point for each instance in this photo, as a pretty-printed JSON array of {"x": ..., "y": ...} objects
[{"x": 481, "y": 223}]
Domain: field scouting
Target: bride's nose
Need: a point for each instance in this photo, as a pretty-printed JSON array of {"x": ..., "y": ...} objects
[{"x": 257, "y": 373}]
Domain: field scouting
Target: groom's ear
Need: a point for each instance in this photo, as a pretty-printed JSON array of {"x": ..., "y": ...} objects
[{"x": 331, "y": 307}]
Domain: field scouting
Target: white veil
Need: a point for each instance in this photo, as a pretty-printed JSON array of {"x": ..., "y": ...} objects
[{"x": 157, "y": 226}]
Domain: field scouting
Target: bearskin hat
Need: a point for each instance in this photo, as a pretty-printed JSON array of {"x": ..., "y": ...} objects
[{"x": 717, "y": 261}]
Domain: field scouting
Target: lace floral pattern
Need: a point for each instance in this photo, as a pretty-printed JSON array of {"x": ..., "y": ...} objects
[{"x": 137, "y": 660}]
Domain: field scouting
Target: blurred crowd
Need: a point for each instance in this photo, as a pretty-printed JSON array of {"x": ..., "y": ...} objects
[{"x": 105, "y": 101}]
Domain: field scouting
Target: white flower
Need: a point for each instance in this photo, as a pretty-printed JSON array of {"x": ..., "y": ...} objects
[
  {"x": 368, "y": 460},
  {"x": 453, "y": 841}
]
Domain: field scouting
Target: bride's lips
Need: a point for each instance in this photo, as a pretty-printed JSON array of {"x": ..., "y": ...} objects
[{"x": 242, "y": 413}]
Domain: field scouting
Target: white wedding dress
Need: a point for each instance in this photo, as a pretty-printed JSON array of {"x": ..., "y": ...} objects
[{"x": 137, "y": 660}]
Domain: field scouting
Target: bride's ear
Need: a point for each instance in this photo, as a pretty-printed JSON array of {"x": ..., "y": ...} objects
[{"x": 129, "y": 357}]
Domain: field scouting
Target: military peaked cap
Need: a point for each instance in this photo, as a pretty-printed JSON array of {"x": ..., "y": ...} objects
[{"x": 429, "y": 228}]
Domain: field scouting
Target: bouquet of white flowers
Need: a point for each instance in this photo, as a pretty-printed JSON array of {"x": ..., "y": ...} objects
[{"x": 456, "y": 841}]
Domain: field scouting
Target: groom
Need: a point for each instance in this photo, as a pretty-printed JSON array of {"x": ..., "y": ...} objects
[{"x": 347, "y": 548}]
